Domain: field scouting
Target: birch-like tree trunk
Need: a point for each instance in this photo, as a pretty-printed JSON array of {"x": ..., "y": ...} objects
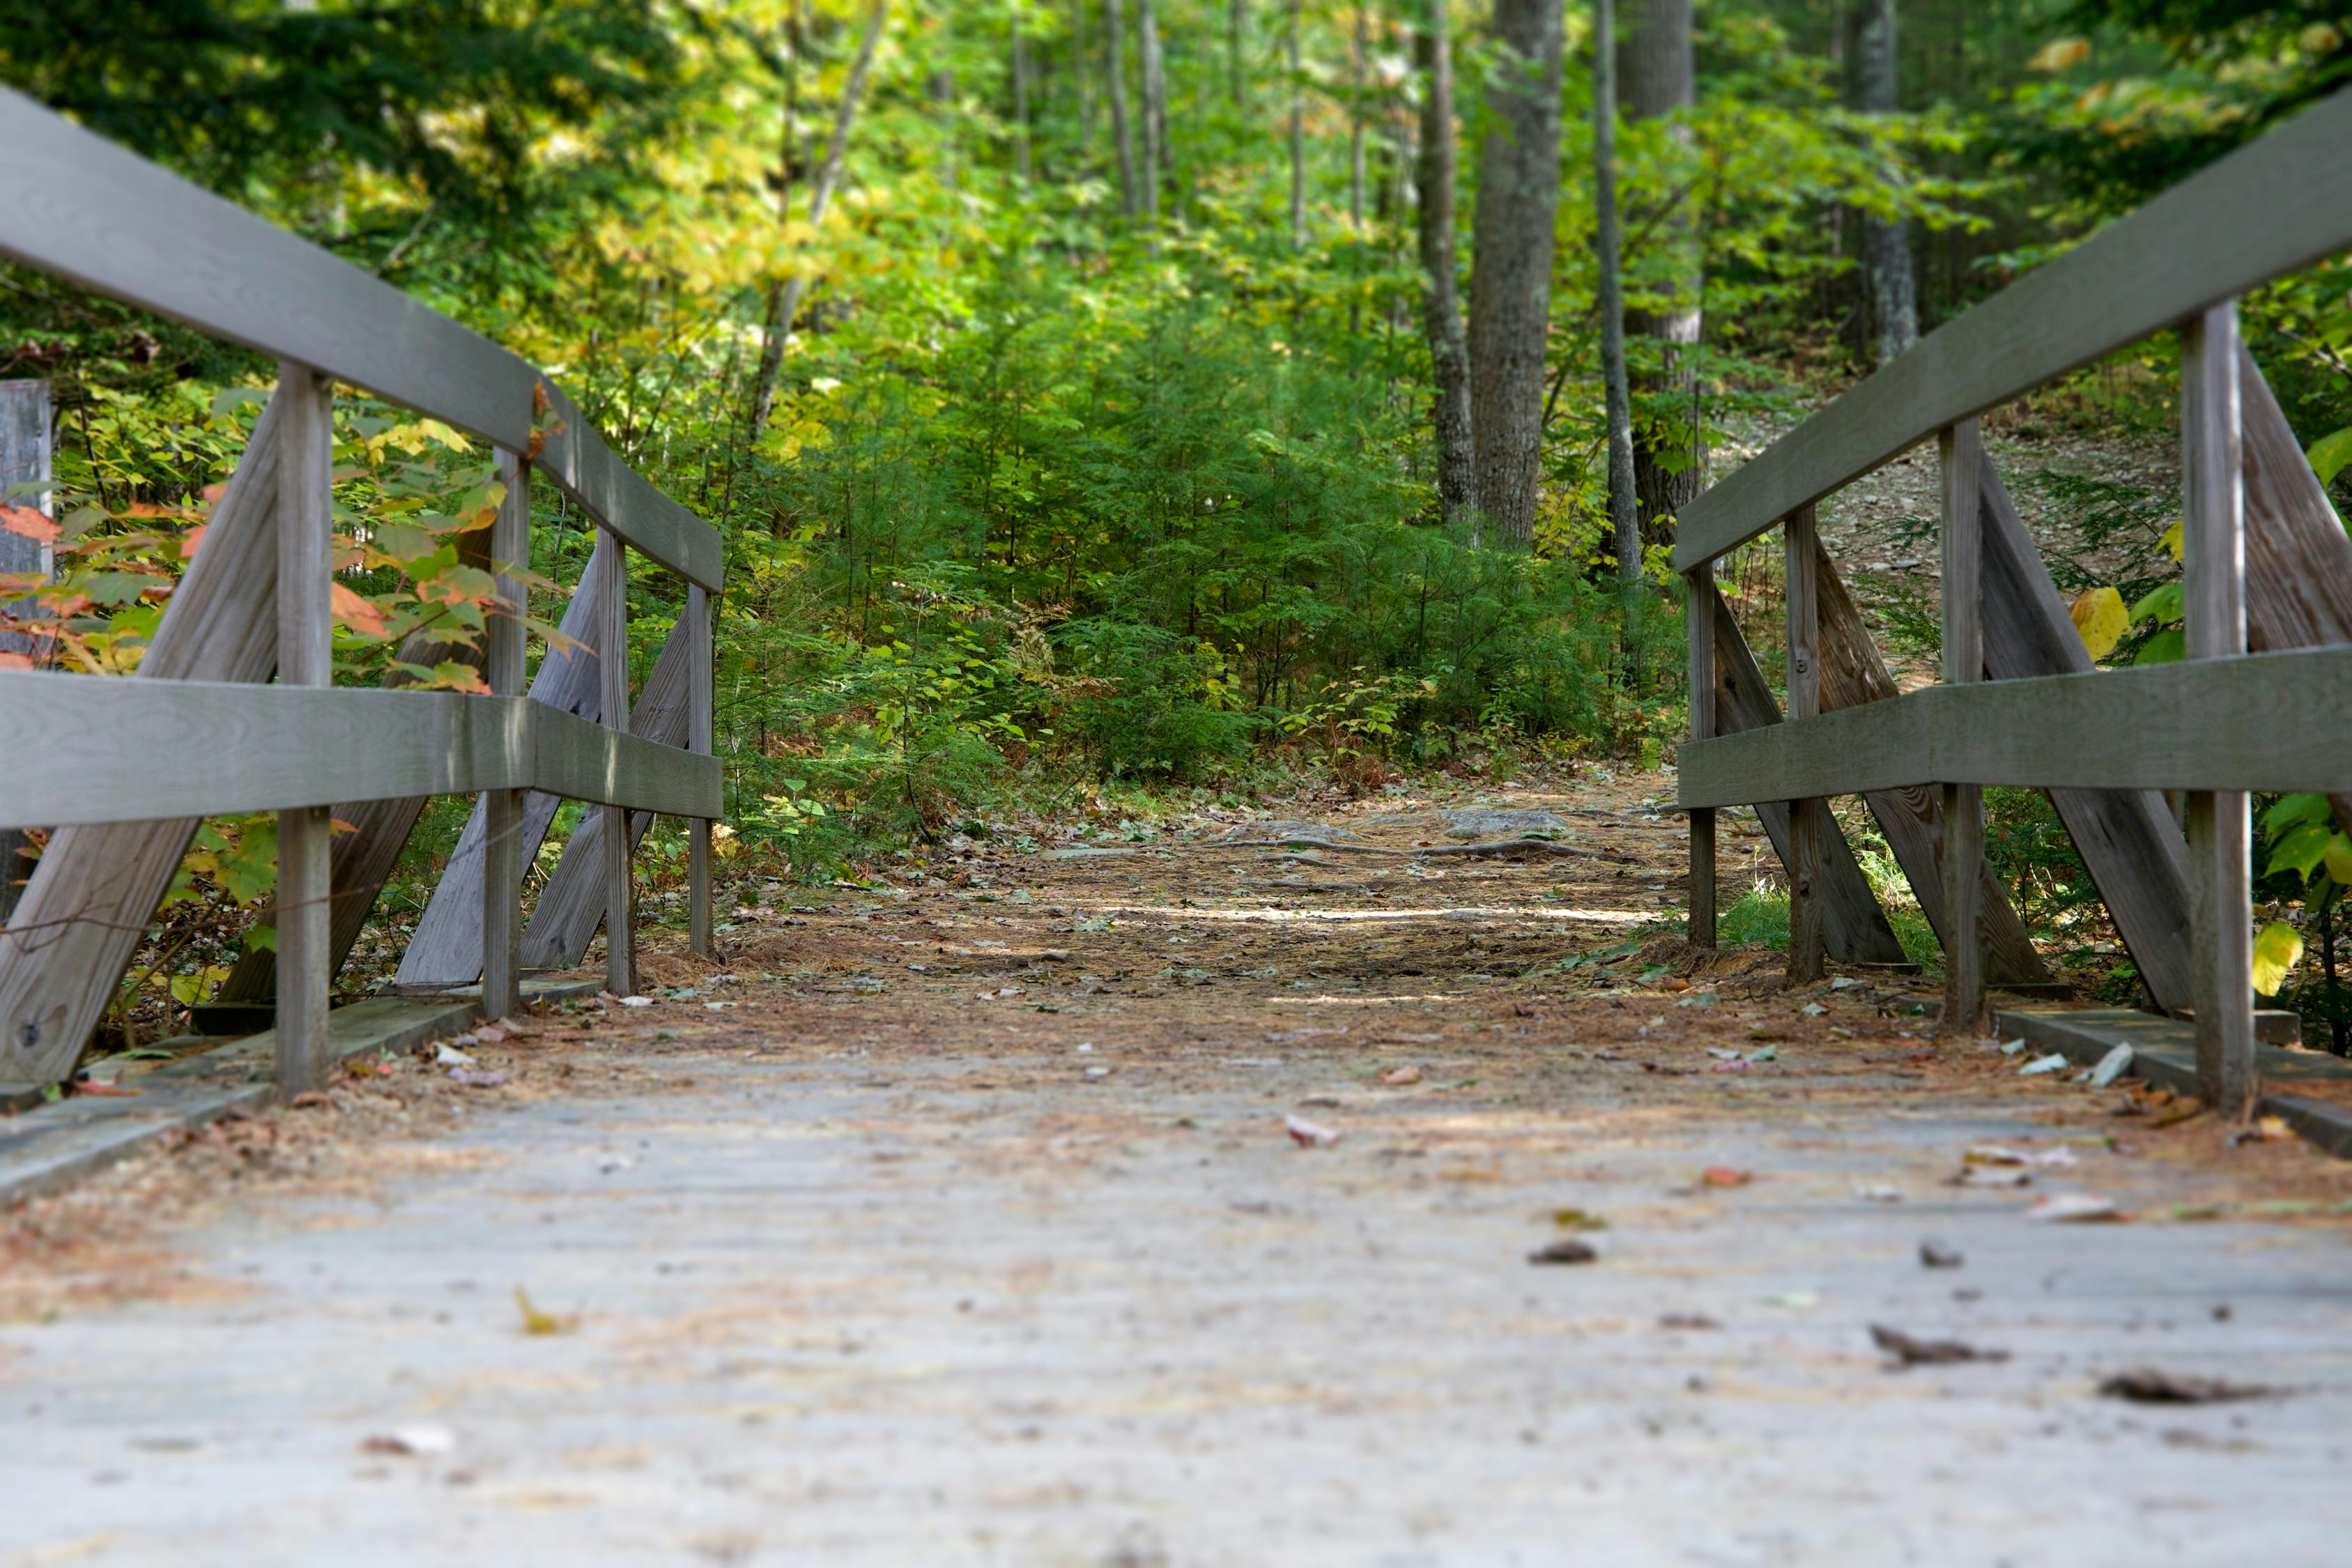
[
  {"x": 1155, "y": 105},
  {"x": 1356, "y": 61},
  {"x": 1654, "y": 62},
  {"x": 1297, "y": 137},
  {"x": 784, "y": 298},
  {"x": 1449, "y": 351},
  {"x": 1624, "y": 528},
  {"x": 1122, "y": 135},
  {"x": 1082, "y": 69},
  {"x": 1886, "y": 242},
  {"x": 1510, "y": 279}
]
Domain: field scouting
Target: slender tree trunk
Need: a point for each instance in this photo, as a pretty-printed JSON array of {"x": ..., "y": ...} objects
[
  {"x": 1623, "y": 526},
  {"x": 1115, "y": 89},
  {"x": 1449, "y": 351},
  {"x": 1356, "y": 121},
  {"x": 1654, "y": 62},
  {"x": 1297, "y": 139},
  {"x": 1082, "y": 69},
  {"x": 1510, "y": 280},
  {"x": 1020, "y": 101},
  {"x": 1155, "y": 105},
  {"x": 784, "y": 302},
  {"x": 1236, "y": 68},
  {"x": 1886, "y": 242}
]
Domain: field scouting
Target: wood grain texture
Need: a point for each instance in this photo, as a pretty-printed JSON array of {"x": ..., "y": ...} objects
[
  {"x": 1854, "y": 929},
  {"x": 306, "y": 625},
  {"x": 2270, "y": 208},
  {"x": 24, "y": 461},
  {"x": 696, "y": 627},
  {"x": 501, "y": 809},
  {"x": 2213, "y": 597},
  {"x": 237, "y": 747},
  {"x": 83, "y": 209},
  {"x": 1912, "y": 820},
  {"x": 1699, "y": 619},
  {"x": 87, "y": 904},
  {"x": 445, "y": 948},
  {"x": 1961, "y": 462},
  {"x": 2128, "y": 838},
  {"x": 1808, "y": 816},
  {"x": 620, "y": 846},
  {"x": 572, "y": 905}
]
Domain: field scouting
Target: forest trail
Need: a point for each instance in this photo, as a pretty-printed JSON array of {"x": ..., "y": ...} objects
[{"x": 962, "y": 1222}]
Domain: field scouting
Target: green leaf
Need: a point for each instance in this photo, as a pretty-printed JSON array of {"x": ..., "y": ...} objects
[
  {"x": 2331, "y": 453},
  {"x": 2338, "y": 857},
  {"x": 2164, "y": 648},
  {"x": 2301, "y": 849},
  {"x": 2292, "y": 811},
  {"x": 2160, "y": 604},
  {"x": 2278, "y": 948}
]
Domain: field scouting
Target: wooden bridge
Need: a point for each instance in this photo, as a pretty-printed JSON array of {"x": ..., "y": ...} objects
[
  {"x": 2262, "y": 702},
  {"x": 129, "y": 767}
]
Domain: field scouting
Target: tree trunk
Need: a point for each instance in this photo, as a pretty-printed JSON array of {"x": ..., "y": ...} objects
[
  {"x": 1297, "y": 139},
  {"x": 1625, "y": 529},
  {"x": 784, "y": 298},
  {"x": 1082, "y": 69},
  {"x": 1886, "y": 242},
  {"x": 1115, "y": 88},
  {"x": 1236, "y": 70},
  {"x": 1654, "y": 62},
  {"x": 1510, "y": 281},
  {"x": 1020, "y": 102},
  {"x": 1356, "y": 121},
  {"x": 1155, "y": 105},
  {"x": 1449, "y": 354}
]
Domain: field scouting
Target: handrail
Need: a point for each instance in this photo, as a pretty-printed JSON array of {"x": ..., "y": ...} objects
[
  {"x": 2272, "y": 207},
  {"x": 238, "y": 747},
  {"x": 75, "y": 204}
]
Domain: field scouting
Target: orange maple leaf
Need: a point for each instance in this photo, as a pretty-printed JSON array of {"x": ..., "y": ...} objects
[{"x": 358, "y": 614}]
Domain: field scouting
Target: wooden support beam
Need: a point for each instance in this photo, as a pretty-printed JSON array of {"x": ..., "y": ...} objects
[
  {"x": 2126, "y": 837},
  {"x": 305, "y": 658},
  {"x": 1806, "y": 815},
  {"x": 620, "y": 893},
  {"x": 88, "y": 902},
  {"x": 503, "y": 639},
  {"x": 1911, "y": 819},
  {"x": 572, "y": 905},
  {"x": 24, "y": 461},
  {"x": 1698, "y": 615},
  {"x": 1962, "y": 447},
  {"x": 2213, "y": 586},
  {"x": 697, "y": 627},
  {"x": 446, "y": 947},
  {"x": 1854, "y": 929}
]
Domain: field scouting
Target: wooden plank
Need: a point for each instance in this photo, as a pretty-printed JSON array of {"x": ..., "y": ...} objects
[
  {"x": 83, "y": 209},
  {"x": 237, "y": 748},
  {"x": 306, "y": 624},
  {"x": 445, "y": 948},
  {"x": 2126, "y": 837},
  {"x": 1698, "y": 616},
  {"x": 697, "y": 628},
  {"x": 1807, "y": 815},
  {"x": 2261, "y": 721},
  {"x": 1912, "y": 819},
  {"x": 620, "y": 889},
  {"x": 502, "y": 639},
  {"x": 2273, "y": 207},
  {"x": 1854, "y": 929},
  {"x": 572, "y": 905},
  {"x": 2214, "y": 595},
  {"x": 87, "y": 904},
  {"x": 1962, "y": 458},
  {"x": 24, "y": 461}
]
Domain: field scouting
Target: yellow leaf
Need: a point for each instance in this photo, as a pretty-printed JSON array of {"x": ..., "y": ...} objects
[
  {"x": 2099, "y": 619},
  {"x": 2337, "y": 858},
  {"x": 2172, "y": 540},
  {"x": 535, "y": 1321},
  {"x": 2278, "y": 948},
  {"x": 2060, "y": 54}
]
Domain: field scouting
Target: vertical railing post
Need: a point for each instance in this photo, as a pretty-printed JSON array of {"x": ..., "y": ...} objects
[
  {"x": 1698, "y": 615},
  {"x": 620, "y": 895},
  {"x": 1805, "y": 825},
  {"x": 502, "y": 666},
  {"x": 24, "y": 460},
  {"x": 700, "y": 653},
  {"x": 305, "y": 658},
  {"x": 2220, "y": 847},
  {"x": 1962, "y": 447}
]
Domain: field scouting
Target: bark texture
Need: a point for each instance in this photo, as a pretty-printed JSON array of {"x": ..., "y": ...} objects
[
  {"x": 1886, "y": 242},
  {"x": 1510, "y": 285},
  {"x": 1624, "y": 528},
  {"x": 1297, "y": 137},
  {"x": 1122, "y": 134},
  {"x": 1155, "y": 105},
  {"x": 1655, "y": 64},
  {"x": 1449, "y": 350}
]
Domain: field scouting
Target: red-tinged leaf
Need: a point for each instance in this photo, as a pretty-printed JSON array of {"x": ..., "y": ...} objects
[
  {"x": 28, "y": 522},
  {"x": 340, "y": 825},
  {"x": 195, "y": 538},
  {"x": 358, "y": 614},
  {"x": 462, "y": 677}
]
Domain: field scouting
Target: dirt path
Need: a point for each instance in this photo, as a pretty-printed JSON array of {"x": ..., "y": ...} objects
[{"x": 960, "y": 1223}]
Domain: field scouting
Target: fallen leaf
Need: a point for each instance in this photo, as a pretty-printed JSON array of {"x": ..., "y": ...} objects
[
  {"x": 1309, "y": 1134},
  {"x": 535, "y": 1321},
  {"x": 1934, "y": 1254},
  {"x": 1908, "y": 1351},
  {"x": 411, "y": 1440},
  {"x": 2075, "y": 1208},
  {"x": 1696, "y": 1323},
  {"x": 1999, "y": 1154},
  {"x": 1724, "y": 1176},
  {"x": 1397, "y": 1078},
  {"x": 1565, "y": 1250},
  {"x": 1578, "y": 1219},
  {"x": 2183, "y": 1110},
  {"x": 2145, "y": 1386}
]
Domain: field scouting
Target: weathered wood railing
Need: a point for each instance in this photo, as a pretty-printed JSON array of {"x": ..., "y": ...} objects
[
  {"x": 2242, "y": 714},
  {"x": 126, "y": 768}
]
